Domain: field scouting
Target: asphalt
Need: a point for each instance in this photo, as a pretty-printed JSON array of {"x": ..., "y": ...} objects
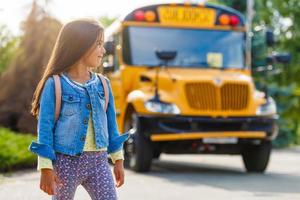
[{"x": 192, "y": 177}]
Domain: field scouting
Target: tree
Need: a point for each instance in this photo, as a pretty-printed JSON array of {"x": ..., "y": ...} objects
[
  {"x": 106, "y": 20},
  {"x": 8, "y": 47},
  {"x": 284, "y": 87},
  {"x": 19, "y": 80},
  {"x": 283, "y": 16}
]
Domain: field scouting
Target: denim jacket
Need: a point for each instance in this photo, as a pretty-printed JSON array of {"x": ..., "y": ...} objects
[{"x": 67, "y": 134}]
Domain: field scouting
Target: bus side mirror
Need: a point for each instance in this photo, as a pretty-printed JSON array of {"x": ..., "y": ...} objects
[
  {"x": 109, "y": 46},
  {"x": 283, "y": 58},
  {"x": 270, "y": 38}
]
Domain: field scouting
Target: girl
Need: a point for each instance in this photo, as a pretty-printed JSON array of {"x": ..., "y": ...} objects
[{"x": 73, "y": 148}]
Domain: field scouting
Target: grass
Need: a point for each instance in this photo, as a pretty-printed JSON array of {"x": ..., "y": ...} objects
[{"x": 14, "y": 153}]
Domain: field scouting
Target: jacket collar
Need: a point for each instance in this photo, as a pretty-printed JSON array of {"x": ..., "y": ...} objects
[{"x": 92, "y": 80}]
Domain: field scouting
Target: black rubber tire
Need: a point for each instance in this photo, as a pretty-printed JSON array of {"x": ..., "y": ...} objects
[
  {"x": 156, "y": 154},
  {"x": 256, "y": 157},
  {"x": 139, "y": 158}
]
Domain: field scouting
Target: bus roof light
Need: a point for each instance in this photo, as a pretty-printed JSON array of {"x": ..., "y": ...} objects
[
  {"x": 224, "y": 19},
  {"x": 234, "y": 20},
  {"x": 150, "y": 16},
  {"x": 139, "y": 15}
]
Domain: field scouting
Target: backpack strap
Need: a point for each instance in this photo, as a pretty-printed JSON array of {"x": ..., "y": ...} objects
[
  {"x": 106, "y": 90},
  {"x": 57, "y": 95}
]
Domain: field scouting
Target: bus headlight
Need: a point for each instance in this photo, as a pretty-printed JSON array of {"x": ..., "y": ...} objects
[
  {"x": 162, "y": 107},
  {"x": 267, "y": 109}
]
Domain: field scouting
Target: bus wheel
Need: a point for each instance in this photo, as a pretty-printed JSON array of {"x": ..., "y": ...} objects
[
  {"x": 156, "y": 154},
  {"x": 138, "y": 148},
  {"x": 256, "y": 157}
]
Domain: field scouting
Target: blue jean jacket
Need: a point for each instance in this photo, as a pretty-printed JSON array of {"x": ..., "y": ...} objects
[{"x": 67, "y": 134}]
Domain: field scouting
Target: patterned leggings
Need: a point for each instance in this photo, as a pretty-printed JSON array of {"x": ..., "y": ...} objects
[{"x": 90, "y": 169}]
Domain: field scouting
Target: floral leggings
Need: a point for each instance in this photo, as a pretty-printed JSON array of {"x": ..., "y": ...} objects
[{"x": 90, "y": 169}]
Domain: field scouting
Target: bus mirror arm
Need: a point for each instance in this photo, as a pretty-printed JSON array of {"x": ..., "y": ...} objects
[{"x": 165, "y": 57}]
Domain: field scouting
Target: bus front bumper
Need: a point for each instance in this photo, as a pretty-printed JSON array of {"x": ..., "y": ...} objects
[{"x": 176, "y": 128}]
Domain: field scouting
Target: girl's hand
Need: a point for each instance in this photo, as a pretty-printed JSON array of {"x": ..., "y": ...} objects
[
  {"x": 119, "y": 173},
  {"x": 48, "y": 181}
]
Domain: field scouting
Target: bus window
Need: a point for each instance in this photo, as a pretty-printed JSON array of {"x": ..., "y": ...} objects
[{"x": 194, "y": 47}]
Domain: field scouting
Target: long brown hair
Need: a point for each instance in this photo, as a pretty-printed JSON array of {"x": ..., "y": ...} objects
[{"x": 74, "y": 40}]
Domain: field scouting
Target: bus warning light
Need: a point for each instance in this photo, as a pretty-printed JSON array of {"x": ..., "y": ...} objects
[
  {"x": 224, "y": 19},
  {"x": 234, "y": 20},
  {"x": 150, "y": 16},
  {"x": 139, "y": 15}
]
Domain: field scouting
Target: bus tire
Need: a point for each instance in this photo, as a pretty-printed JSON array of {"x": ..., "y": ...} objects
[
  {"x": 256, "y": 157},
  {"x": 156, "y": 153},
  {"x": 138, "y": 148}
]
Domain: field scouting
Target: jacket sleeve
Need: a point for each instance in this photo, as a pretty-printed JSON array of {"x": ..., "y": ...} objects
[
  {"x": 46, "y": 122},
  {"x": 115, "y": 139}
]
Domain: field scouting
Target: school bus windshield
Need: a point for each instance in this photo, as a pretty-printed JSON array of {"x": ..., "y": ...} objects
[{"x": 195, "y": 48}]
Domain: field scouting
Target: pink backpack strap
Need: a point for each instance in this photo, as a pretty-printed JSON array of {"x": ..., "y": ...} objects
[
  {"x": 106, "y": 90},
  {"x": 57, "y": 95}
]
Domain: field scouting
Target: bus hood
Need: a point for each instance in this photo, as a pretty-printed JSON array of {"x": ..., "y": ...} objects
[
  {"x": 206, "y": 91},
  {"x": 190, "y": 74}
]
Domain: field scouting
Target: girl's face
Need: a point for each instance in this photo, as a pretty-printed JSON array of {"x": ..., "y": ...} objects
[{"x": 94, "y": 56}]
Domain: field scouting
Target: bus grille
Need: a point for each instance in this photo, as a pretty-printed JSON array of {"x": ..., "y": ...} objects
[{"x": 208, "y": 97}]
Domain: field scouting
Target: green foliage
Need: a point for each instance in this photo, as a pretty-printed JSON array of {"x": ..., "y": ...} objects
[
  {"x": 8, "y": 47},
  {"x": 14, "y": 153},
  {"x": 285, "y": 87},
  {"x": 106, "y": 20},
  {"x": 236, "y": 4},
  {"x": 288, "y": 110}
]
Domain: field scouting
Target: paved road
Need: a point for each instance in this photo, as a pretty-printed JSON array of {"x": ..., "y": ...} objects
[{"x": 190, "y": 177}]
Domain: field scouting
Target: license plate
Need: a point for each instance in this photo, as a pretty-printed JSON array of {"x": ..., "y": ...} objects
[
  {"x": 194, "y": 16},
  {"x": 220, "y": 140}
]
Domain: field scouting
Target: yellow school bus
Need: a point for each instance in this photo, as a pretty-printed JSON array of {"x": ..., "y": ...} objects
[{"x": 182, "y": 85}]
